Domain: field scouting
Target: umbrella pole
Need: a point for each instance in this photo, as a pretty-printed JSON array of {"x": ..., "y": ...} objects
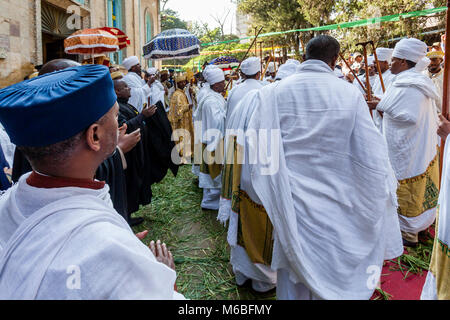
[{"x": 445, "y": 101}]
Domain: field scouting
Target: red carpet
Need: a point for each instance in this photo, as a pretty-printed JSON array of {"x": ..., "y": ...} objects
[{"x": 395, "y": 284}]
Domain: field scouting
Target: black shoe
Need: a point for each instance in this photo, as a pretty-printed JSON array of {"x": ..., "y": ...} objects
[
  {"x": 410, "y": 244},
  {"x": 135, "y": 221}
]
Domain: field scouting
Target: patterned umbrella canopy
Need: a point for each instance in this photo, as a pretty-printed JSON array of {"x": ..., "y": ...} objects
[
  {"x": 91, "y": 41},
  {"x": 172, "y": 44},
  {"x": 120, "y": 35},
  {"x": 225, "y": 62}
]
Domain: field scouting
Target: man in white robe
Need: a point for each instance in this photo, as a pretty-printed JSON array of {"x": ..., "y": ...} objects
[
  {"x": 157, "y": 91},
  {"x": 384, "y": 57},
  {"x": 324, "y": 178},
  {"x": 271, "y": 74},
  {"x": 436, "y": 74},
  {"x": 409, "y": 126},
  {"x": 140, "y": 90},
  {"x": 251, "y": 70},
  {"x": 209, "y": 130},
  {"x": 60, "y": 237}
]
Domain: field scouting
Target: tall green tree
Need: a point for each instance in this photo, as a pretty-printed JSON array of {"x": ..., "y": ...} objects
[{"x": 171, "y": 20}]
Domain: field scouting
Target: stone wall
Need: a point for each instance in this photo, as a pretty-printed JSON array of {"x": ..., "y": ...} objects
[{"x": 21, "y": 35}]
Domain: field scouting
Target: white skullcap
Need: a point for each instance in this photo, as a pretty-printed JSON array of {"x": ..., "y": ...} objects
[
  {"x": 293, "y": 61},
  {"x": 152, "y": 71},
  {"x": 213, "y": 75},
  {"x": 370, "y": 60},
  {"x": 384, "y": 54},
  {"x": 271, "y": 68},
  {"x": 251, "y": 66},
  {"x": 227, "y": 72},
  {"x": 286, "y": 70},
  {"x": 411, "y": 49},
  {"x": 423, "y": 64},
  {"x": 130, "y": 62}
]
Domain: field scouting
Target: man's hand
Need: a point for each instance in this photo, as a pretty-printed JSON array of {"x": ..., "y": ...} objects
[
  {"x": 149, "y": 111},
  {"x": 373, "y": 103},
  {"x": 128, "y": 141},
  {"x": 444, "y": 127},
  {"x": 162, "y": 254}
]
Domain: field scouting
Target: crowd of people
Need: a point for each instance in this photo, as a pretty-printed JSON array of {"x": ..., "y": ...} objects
[{"x": 319, "y": 176}]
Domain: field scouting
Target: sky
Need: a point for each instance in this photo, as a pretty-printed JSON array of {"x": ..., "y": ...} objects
[{"x": 201, "y": 10}]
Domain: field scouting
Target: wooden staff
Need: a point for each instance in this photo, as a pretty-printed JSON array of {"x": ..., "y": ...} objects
[
  {"x": 377, "y": 63},
  {"x": 261, "y": 55},
  {"x": 353, "y": 72},
  {"x": 273, "y": 52},
  {"x": 366, "y": 67},
  {"x": 245, "y": 56},
  {"x": 445, "y": 95},
  {"x": 267, "y": 67}
]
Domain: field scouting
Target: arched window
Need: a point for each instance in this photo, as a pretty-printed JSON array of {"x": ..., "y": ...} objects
[
  {"x": 115, "y": 20},
  {"x": 148, "y": 32}
]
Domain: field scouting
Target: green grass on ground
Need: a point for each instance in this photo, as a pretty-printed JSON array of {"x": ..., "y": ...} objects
[
  {"x": 195, "y": 237},
  {"x": 200, "y": 249}
]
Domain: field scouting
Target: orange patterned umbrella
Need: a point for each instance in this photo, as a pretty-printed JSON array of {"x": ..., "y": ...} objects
[
  {"x": 91, "y": 41},
  {"x": 120, "y": 35}
]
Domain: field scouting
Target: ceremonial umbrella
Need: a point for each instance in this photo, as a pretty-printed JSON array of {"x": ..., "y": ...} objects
[
  {"x": 225, "y": 62},
  {"x": 120, "y": 35},
  {"x": 91, "y": 41},
  {"x": 172, "y": 44}
]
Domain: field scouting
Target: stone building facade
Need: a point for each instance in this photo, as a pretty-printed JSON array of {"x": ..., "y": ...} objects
[{"x": 32, "y": 32}]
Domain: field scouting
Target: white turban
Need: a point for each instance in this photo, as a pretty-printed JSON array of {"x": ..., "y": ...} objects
[
  {"x": 271, "y": 68},
  {"x": 423, "y": 64},
  {"x": 251, "y": 66},
  {"x": 286, "y": 70},
  {"x": 213, "y": 75},
  {"x": 384, "y": 54},
  {"x": 152, "y": 71},
  {"x": 130, "y": 62},
  {"x": 411, "y": 49},
  {"x": 370, "y": 60}
]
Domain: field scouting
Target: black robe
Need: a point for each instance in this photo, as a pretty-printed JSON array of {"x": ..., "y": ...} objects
[
  {"x": 136, "y": 158},
  {"x": 154, "y": 151},
  {"x": 110, "y": 171}
]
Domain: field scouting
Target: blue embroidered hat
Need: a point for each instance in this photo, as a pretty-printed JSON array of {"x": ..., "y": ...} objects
[{"x": 56, "y": 106}]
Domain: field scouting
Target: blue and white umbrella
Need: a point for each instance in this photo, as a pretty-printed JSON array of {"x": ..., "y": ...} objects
[{"x": 172, "y": 44}]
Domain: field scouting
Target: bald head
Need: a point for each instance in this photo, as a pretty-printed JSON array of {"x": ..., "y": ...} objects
[
  {"x": 122, "y": 89},
  {"x": 57, "y": 65}
]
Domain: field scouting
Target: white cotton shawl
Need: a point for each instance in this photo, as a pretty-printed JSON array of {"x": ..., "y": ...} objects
[
  {"x": 157, "y": 93},
  {"x": 335, "y": 193},
  {"x": 140, "y": 91},
  {"x": 47, "y": 234},
  {"x": 410, "y": 123},
  {"x": 238, "y": 93}
]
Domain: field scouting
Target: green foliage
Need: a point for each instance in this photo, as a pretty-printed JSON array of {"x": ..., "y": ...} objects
[{"x": 170, "y": 20}]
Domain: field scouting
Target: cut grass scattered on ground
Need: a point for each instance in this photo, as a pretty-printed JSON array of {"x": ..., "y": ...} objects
[{"x": 195, "y": 237}]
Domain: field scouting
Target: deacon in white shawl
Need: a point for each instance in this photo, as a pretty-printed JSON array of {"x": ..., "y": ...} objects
[
  {"x": 324, "y": 178},
  {"x": 384, "y": 57},
  {"x": 409, "y": 126},
  {"x": 272, "y": 72},
  {"x": 251, "y": 74},
  {"x": 252, "y": 243},
  {"x": 157, "y": 90},
  {"x": 140, "y": 90},
  {"x": 372, "y": 75},
  {"x": 286, "y": 70},
  {"x": 60, "y": 237},
  {"x": 209, "y": 132},
  {"x": 437, "y": 284},
  {"x": 436, "y": 74}
]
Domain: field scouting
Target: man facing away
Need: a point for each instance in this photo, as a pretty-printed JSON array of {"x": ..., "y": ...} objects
[
  {"x": 251, "y": 70},
  {"x": 60, "y": 237},
  {"x": 332, "y": 201},
  {"x": 209, "y": 122},
  {"x": 409, "y": 126}
]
